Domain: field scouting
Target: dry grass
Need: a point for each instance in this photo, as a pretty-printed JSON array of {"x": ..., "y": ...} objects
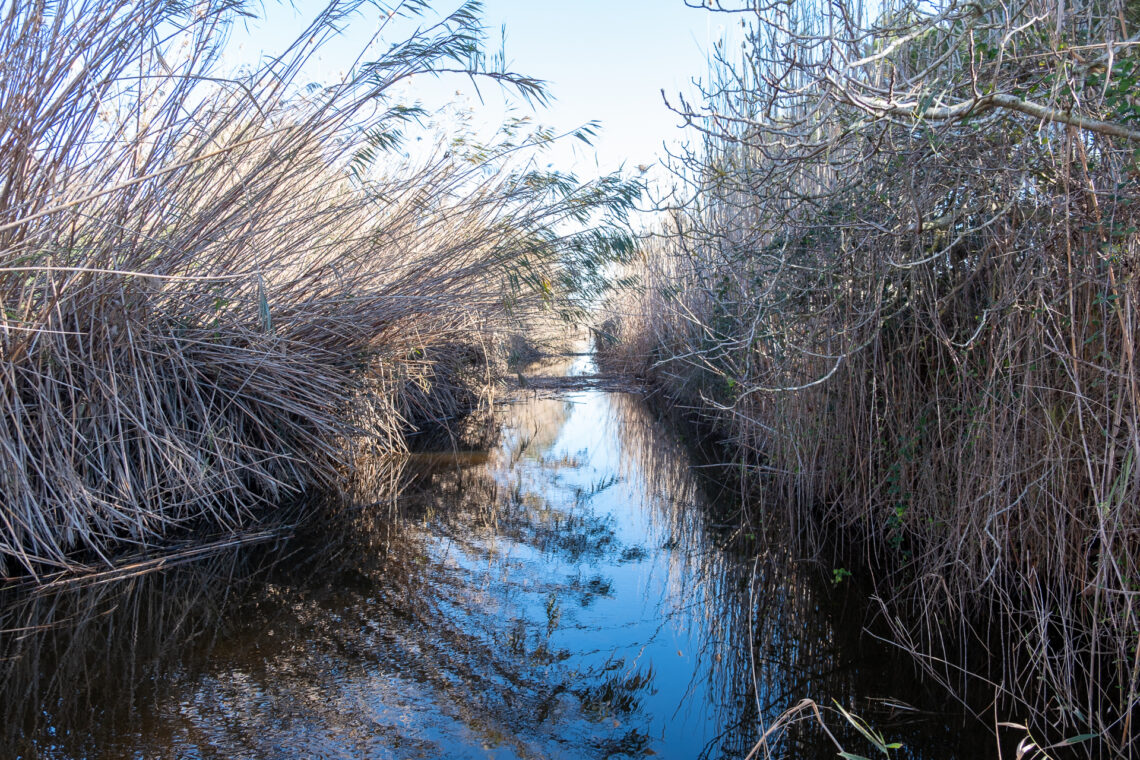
[
  {"x": 919, "y": 326},
  {"x": 216, "y": 290}
]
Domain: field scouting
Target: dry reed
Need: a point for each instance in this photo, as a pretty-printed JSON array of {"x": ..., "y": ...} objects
[
  {"x": 216, "y": 290},
  {"x": 904, "y": 285}
]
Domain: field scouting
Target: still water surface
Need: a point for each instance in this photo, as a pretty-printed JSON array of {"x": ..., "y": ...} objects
[{"x": 571, "y": 593}]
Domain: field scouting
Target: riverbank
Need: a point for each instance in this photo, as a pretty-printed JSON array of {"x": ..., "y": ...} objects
[
  {"x": 1033, "y": 644},
  {"x": 568, "y": 592},
  {"x": 224, "y": 291},
  {"x": 899, "y": 280}
]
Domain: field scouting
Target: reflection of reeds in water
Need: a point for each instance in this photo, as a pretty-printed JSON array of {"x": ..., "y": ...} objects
[
  {"x": 80, "y": 660},
  {"x": 531, "y": 425},
  {"x": 770, "y": 633},
  {"x": 411, "y": 624},
  {"x": 321, "y": 645},
  {"x": 84, "y": 660}
]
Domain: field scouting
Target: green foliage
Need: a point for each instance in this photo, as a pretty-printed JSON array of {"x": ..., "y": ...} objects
[{"x": 870, "y": 734}]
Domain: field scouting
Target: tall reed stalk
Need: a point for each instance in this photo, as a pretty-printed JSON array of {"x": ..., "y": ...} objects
[
  {"x": 217, "y": 290},
  {"x": 904, "y": 286}
]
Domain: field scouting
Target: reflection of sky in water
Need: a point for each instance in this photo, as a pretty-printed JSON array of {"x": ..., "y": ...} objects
[
  {"x": 620, "y": 618},
  {"x": 564, "y": 598}
]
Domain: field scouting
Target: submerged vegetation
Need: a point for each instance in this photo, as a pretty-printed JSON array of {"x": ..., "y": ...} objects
[
  {"x": 221, "y": 291},
  {"x": 903, "y": 286}
]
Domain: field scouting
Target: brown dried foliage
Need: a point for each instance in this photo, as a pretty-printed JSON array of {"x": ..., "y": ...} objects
[
  {"x": 905, "y": 281},
  {"x": 216, "y": 292}
]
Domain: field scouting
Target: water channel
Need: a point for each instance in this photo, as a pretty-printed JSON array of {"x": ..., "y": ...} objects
[{"x": 571, "y": 593}]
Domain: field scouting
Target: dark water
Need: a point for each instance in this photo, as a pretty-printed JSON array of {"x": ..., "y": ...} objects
[{"x": 570, "y": 594}]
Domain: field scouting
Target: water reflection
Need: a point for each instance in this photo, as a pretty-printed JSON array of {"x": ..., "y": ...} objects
[{"x": 570, "y": 593}]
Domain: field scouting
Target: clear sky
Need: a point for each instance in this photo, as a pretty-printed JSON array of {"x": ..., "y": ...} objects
[
  {"x": 609, "y": 60},
  {"x": 605, "y": 60}
]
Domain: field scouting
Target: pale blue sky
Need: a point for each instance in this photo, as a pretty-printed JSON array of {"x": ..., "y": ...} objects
[
  {"x": 605, "y": 60},
  {"x": 608, "y": 60}
]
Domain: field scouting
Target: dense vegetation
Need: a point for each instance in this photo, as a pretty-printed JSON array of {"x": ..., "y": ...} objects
[
  {"x": 903, "y": 284},
  {"x": 223, "y": 290}
]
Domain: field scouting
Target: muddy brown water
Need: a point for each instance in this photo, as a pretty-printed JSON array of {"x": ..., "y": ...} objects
[{"x": 569, "y": 594}]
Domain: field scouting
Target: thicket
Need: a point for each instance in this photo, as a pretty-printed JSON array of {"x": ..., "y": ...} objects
[
  {"x": 221, "y": 290},
  {"x": 903, "y": 283}
]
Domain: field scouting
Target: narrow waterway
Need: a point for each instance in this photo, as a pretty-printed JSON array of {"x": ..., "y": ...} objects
[{"x": 569, "y": 594}]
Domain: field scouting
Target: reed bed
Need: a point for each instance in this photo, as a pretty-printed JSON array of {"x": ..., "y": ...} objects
[
  {"x": 219, "y": 289},
  {"x": 903, "y": 287}
]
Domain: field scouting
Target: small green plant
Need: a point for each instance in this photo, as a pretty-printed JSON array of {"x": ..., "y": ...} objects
[{"x": 868, "y": 733}]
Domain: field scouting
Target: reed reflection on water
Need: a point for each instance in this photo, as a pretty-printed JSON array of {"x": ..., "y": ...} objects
[{"x": 570, "y": 593}]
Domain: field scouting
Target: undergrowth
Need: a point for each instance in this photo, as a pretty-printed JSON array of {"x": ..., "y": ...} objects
[
  {"x": 903, "y": 285},
  {"x": 219, "y": 291}
]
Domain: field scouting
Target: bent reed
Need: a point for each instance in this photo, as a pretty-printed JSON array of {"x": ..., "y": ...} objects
[
  {"x": 219, "y": 292},
  {"x": 904, "y": 287}
]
